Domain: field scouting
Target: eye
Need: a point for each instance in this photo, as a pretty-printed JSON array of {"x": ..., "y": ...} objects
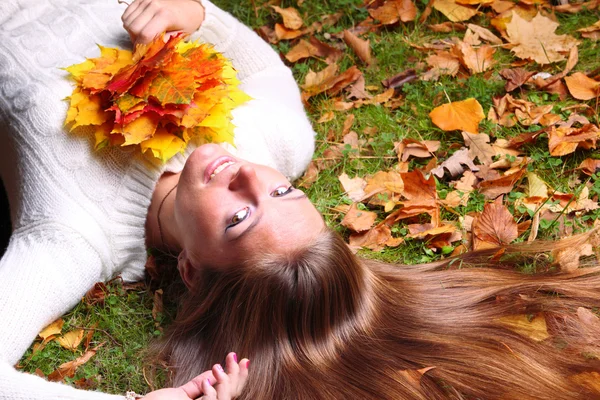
[
  {"x": 281, "y": 191},
  {"x": 239, "y": 217}
]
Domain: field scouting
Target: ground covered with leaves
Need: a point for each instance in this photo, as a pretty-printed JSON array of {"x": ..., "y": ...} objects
[{"x": 443, "y": 126}]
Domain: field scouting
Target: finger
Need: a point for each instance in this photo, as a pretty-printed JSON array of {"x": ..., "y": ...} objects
[
  {"x": 243, "y": 375},
  {"x": 209, "y": 391},
  {"x": 231, "y": 363},
  {"x": 224, "y": 385},
  {"x": 130, "y": 9},
  {"x": 194, "y": 389},
  {"x": 138, "y": 25},
  {"x": 142, "y": 6},
  {"x": 159, "y": 23}
]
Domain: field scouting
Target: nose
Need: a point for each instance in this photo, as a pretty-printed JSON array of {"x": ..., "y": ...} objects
[{"x": 245, "y": 182}]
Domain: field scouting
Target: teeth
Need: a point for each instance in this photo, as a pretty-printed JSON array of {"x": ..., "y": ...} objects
[{"x": 221, "y": 168}]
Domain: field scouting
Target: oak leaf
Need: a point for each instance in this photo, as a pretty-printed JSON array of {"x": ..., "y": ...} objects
[
  {"x": 462, "y": 115},
  {"x": 536, "y": 40}
]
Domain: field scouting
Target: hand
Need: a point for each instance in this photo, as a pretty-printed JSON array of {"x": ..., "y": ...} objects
[
  {"x": 144, "y": 19},
  {"x": 210, "y": 385}
]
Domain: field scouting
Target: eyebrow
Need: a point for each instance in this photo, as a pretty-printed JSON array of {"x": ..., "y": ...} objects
[{"x": 256, "y": 220}]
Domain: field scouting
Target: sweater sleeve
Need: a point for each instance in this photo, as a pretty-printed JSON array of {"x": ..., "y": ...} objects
[{"x": 44, "y": 272}]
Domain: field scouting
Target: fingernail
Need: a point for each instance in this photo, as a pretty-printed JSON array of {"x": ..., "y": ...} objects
[
  {"x": 220, "y": 368},
  {"x": 235, "y": 357},
  {"x": 247, "y": 363},
  {"x": 208, "y": 382}
]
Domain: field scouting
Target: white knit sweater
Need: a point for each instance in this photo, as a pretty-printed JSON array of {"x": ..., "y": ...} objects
[{"x": 78, "y": 215}]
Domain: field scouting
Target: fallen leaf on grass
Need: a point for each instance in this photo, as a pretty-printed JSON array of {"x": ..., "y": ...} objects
[
  {"x": 568, "y": 258},
  {"x": 283, "y": 33},
  {"x": 515, "y": 77},
  {"x": 361, "y": 47},
  {"x": 534, "y": 328},
  {"x": 536, "y": 40},
  {"x": 591, "y": 32},
  {"x": 314, "y": 48},
  {"x": 157, "y": 304},
  {"x": 97, "y": 294},
  {"x": 494, "y": 227},
  {"x": 454, "y": 164},
  {"x": 582, "y": 87},
  {"x": 413, "y": 148},
  {"x": 328, "y": 81},
  {"x": 476, "y": 60},
  {"x": 358, "y": 220},
  {"x": 398, "y": 80},
  {"x": 492, "y": 188},
  {"x": 447, "y": 27},
  {"x": 589, "y": 166},
  {"x": 291, "y": 17},
  {"x": 71, "y": 340},
  {"x": 453, "y": 11},
  {"x": 353, "y": 187},
  {"x": 479, "y": 147},
  {"x": 485, "y": 34},
  {"x": 565, "y": 140},
  {"x": 442, "y": 63},
  {"x": 69, "y": 368},
  {"x": 53, "y": 329},
  {"x": 462, "y": 115},
  {"x": 393, "y": 11},
  {"x": 310, "y": 176},
  {"x": 375, "y": 239}
]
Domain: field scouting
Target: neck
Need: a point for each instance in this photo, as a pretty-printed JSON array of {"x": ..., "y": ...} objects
[{"x": 161, "y": 230}]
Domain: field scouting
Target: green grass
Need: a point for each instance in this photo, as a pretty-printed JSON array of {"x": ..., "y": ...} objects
[{"x": 124, "y": 322}]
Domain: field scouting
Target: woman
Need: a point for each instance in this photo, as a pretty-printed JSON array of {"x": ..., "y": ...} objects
[
  {"x": 320, "y": 323},
  {"x": 81, "y": 216}
]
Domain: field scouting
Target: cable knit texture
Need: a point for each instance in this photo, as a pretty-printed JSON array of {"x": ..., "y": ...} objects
[{"x": 78, "y": 215}]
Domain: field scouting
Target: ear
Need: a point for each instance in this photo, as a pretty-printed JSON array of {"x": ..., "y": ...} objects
[{"x": 186, "y": 270}]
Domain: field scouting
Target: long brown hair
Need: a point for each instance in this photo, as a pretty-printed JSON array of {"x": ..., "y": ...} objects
[{"x": 321, "y": 323}]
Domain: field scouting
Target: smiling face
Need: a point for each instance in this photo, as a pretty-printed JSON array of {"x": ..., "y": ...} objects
[{"x": 228, "y": 210}]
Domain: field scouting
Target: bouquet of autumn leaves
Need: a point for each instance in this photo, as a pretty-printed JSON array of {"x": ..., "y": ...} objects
[{"x": 159, "y": 97}]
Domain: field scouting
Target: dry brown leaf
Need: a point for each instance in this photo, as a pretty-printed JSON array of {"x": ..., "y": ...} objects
[
  {"x": 447, "y": 27},
  {"x": 53, "y": 329},
  {"x": 565, "y": 140},
  {"x": 358, "y": 220},
  {"x": 462, "y": 115},
  {"x": 442, "y": 63},
  {"x": 71, "y": 340},
  {"x": 456, "y": 198},
  {"x": 454, "y": 164},
  {"x": 536, "y": 40},
  {"x": 327, "y": 81},
  {"x": 494, "y": 227},
  {"x": 291, "y": 17},
  {"x": 453, "y": 11},
  {"x": 422, "y": 231},
  {"x": 353, "y": 187},
  {"x": 361, "y": 47},
  {"x": 68, "y": 369},
  {"x": 314, "y": 48},
  {"x": 96, "y": 294},
  {"x": 479, "y": 147},
  {"x": 589, "y": 166},
  {"x": 492, "y": 188},
  {"x": 413, "y": 148},
  {"x": 393, "y": 11},
  {"x": 326, "y": 117},
  {"x": 568, "y": 258},
  {"x": 375, "y": 239},
  {"x": 515, "y": 77},
  {"x": 383, "y": 187},
  {"x": 283, "y": 33},
  {"x": 591, "y": 32},
  {"x": 157, "y": 304},
  {"x": 485, "y": 34},
  {"x": 357, "y": 90},
  {"x": 421, "y": 195},
  {"x": 310, "y": 176},
  {"x": 534, "y": 328},
  {"x": 476, "y": 60},
  {"x": 582, "y": 87}
]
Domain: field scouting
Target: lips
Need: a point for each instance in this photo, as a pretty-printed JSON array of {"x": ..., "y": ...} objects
[{"x": 215, "y": 166}]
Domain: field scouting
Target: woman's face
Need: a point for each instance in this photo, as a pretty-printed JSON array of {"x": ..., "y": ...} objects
[{"x": 228, "y": 209}]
